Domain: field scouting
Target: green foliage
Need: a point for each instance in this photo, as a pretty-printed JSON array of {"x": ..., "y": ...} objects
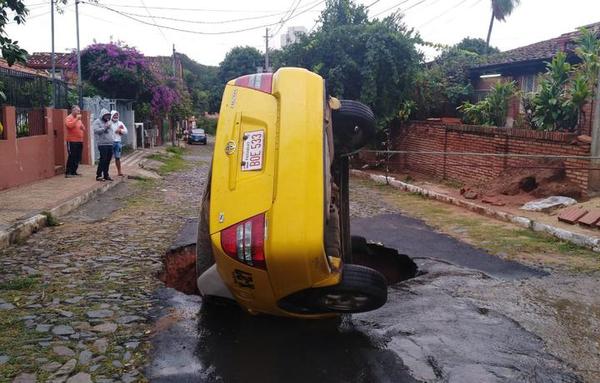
[
  {"x": 208, "y": 124},
  {"x": 21, "y": 283},
  {"x": 16, "y": 11},
  {"x": 493, "y": 109},
  {"x": 475, "y": 45},
  {"x": 239, "y": 61},
  {"x": 566, "y": 88},
  {"x": 51, "y": 220},
  {"x": 372, "y": 61},
  {"x": 203, "y": 84},
  {"x": 444, "y": 84},
  {"x": 503, "y": 8},
  {"x": 498, "y": 100}
]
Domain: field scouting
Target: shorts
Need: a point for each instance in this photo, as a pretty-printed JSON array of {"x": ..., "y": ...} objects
[{"x": 117, "y": 149}]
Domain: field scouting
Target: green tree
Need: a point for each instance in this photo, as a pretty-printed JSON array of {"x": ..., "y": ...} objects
[
  {"x": 16, "y": 11},
  {"x": 239, "y": 61},
  {"x": 444, "y": 84},
  {"x": 203, "y": 85},
  {"x": 501, "y": 9},
  {"x": 371, "y": 61},
  {"x": 476, "y": 45}
]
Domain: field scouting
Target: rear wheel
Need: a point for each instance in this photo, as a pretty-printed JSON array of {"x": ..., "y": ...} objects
[
  {"x": 353, "y": 126},
  {"x": 360, "y": 289}
]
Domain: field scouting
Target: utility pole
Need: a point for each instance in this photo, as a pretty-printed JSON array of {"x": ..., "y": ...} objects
[
  {"x": 267, "y": 50},
  {"x": 53, "y": 58},
  {"x": 174, "y": 62},
  {"x": 79, "y": 86}
]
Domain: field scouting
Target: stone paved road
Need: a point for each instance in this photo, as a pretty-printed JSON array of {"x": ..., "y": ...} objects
[
  {"x": 81, "y": 302},
  {"x": 75, "y": 299}
]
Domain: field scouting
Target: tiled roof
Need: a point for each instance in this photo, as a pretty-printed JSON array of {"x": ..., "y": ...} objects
[
  {"x": 22, "y": 69},
  {"x": 543, "y": 50},
  {"x": 43, "y": 60}
]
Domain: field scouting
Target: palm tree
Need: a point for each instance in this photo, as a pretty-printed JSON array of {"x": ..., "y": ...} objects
[{"x": 501, "y": 9}]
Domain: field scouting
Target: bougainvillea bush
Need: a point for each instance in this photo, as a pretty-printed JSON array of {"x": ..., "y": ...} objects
[{"x": 116, "y": 70}]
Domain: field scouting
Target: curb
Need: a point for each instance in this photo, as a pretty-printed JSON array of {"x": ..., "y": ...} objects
[
  {"x": 590, "y": 242},
  {"x": 25, "y": 228}
]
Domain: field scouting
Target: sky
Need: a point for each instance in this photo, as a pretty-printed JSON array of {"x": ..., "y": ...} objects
[{"x": 438, "y": 21}]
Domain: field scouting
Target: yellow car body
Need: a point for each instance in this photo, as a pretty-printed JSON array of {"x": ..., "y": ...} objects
[
  {"x": 274, "y": 226},
  {"x": 286, "y": 189}
]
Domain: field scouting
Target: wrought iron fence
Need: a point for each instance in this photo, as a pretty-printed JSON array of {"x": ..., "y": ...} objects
[
  {"x": 25, "y": 90},
  {"x": 30, "y": 121}
]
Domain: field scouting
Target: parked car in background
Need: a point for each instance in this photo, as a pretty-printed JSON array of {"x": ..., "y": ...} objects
[
  {"x": 274, "y": 232},
  {"x": 197, "y": 136}
]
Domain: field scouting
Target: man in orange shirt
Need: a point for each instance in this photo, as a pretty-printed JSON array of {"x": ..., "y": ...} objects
[{"x": 75, "y": 129}]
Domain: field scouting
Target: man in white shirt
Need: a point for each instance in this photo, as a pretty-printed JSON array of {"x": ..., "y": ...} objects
[{"x": 118, "y": 129}]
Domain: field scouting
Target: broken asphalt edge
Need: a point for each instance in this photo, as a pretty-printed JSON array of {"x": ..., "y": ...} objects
[
  {"x": 24, "y": 228},
  {"x": 587, "y": 241}
]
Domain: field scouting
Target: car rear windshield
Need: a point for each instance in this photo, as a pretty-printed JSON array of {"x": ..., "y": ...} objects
[{"x": 197, "y": 131}]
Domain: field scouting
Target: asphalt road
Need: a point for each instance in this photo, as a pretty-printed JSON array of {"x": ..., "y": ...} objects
[{"x": 427, "y": 332}]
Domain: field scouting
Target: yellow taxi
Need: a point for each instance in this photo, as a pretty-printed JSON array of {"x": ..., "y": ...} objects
[{"x": 274, "y": 232}]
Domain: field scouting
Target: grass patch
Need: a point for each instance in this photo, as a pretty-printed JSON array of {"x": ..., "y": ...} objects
[
  {"x": 19, "y": 283},
  {"x": 51, "y": 220},
  {"x": 173, "y": 160}
]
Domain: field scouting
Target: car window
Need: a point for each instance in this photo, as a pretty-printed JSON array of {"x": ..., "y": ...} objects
[{"x": 197, "y": 131}]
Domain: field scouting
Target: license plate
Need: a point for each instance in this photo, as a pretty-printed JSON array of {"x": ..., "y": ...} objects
[{"x": 252, "y": 155}]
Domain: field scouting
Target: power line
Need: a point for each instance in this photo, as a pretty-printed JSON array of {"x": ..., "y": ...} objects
[
  {"x": 199, "y": 32},
  {"x": 397, "y": 6},
  {"x": 453, "y": 8},
  {"x": 291, "y": 13},
  {"x": 194, "y": 21},
  {"x": 159, "y": 28},
  {"x": 196, "y": 9}
]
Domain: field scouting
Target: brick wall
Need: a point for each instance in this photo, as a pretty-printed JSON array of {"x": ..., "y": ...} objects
[{"x": 419, "y": 136}]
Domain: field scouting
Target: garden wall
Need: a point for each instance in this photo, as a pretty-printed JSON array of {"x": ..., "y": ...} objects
[{"x": 425, "y": 136}]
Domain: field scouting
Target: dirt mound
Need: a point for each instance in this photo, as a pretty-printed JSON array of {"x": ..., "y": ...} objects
[{"x": 539, "y": 180}]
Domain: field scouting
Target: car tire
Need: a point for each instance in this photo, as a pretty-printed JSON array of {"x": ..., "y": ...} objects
[
  {"x": 353, "y": 126},
  {"x": 360, "y": 289}
]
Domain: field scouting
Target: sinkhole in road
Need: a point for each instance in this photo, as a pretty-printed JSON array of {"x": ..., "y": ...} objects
[{"x": 179, "y": 271}]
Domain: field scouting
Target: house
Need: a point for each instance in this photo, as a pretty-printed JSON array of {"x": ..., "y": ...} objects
[
  {"x": 524, "y": 65},
  {"x": 42, "y": 61}
]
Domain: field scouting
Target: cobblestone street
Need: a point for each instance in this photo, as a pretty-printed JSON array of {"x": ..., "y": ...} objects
[{"x": 75, "y": 298}]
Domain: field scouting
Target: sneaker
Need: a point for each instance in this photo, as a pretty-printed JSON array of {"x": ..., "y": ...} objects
[
  {"x": 100, "y": 179},
  {"x": 108, "y": 179},
  {"x": 68, "y": 175}
]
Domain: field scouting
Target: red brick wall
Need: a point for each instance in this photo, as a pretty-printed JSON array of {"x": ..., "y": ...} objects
[{"x": 419, "y": 136}]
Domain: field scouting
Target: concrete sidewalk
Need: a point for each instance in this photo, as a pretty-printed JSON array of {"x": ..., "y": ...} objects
[{"x": 21, "y": 208}]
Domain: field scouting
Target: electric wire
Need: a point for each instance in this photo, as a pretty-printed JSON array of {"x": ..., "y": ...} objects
[
  {"x": 442, "y": 14},
  {"x": 159, "y": 28},
  {"x": 195, "y": 21},
  {"x": 199, "y": 32}
]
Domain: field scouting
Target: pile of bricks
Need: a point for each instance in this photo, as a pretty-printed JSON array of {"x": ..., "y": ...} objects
[{"x": 581, "y": 216}]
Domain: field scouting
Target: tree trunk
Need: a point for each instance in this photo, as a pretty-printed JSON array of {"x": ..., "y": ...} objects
[{"x": 487, "y": 41}]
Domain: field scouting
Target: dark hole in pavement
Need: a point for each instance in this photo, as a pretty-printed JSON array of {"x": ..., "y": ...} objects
[
  {"x": 179, "y": 271},
  {"x": 394, "y": 266}
]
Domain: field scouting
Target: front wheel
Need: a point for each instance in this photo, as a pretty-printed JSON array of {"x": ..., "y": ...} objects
[{"x": 361, "y": 289}]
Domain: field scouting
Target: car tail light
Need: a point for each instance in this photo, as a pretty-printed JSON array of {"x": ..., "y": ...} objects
[
  {"x": 259, "y": 81},
  {"x": 245, "y": 241}
]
